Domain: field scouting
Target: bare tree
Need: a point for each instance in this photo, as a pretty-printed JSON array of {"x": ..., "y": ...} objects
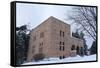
[{"x": 86, "y": 19}]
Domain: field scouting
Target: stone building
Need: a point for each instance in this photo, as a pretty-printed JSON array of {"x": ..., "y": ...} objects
[{"x": 53, "y": 39}]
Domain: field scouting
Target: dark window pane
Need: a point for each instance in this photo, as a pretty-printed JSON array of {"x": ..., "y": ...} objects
[
  {"x": 60, "y": 48},
  {"x": 63, "y": 34},
  {"x": 63, "y": 48},
  {"x": 60, "y": 42},
  {"x": 73, "y": 47},
  {"x": 63, "y": 43},
  {"x": 60, "y": 32}
]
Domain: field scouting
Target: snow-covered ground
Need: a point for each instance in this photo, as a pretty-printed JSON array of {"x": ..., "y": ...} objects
[{"x": 68, "y": 59}]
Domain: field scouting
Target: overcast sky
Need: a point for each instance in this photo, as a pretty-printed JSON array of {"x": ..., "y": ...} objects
[{"x": 34, "y": 14}]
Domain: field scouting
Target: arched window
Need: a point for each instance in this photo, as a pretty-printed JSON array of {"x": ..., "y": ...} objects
[
  {"x": 77, "y": 49},
  {"x": 73, "y": 47}
]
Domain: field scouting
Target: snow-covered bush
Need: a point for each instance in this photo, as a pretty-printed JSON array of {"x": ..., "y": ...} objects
[{"x": 38, "y": 57}]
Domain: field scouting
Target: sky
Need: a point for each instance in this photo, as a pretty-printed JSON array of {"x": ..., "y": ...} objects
[{"x": 34, "y": 14}]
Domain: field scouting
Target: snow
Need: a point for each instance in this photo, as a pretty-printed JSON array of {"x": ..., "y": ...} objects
[{"x": 68, "y": 59}]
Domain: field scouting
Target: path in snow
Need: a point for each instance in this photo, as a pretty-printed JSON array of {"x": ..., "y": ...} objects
[{"x": 69, "y": 59}]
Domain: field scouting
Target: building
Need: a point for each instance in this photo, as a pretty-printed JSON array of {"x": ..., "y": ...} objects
[{"x": 53, "y": 38}]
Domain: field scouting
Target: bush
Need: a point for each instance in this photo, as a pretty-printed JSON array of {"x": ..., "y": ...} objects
[
  {"x": 39, "y": 56},
  {"x": 93, "y": 49},
  {"x": 81, "y": 51}
]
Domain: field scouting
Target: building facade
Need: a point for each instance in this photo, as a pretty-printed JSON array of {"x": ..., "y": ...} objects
[{"x": 53, "y": 39}]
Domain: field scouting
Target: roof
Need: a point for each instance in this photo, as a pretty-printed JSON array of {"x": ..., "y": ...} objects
[{"x": 52, "y": 19}]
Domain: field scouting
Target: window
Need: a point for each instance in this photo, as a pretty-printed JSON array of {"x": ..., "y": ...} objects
[
  {"x": 41, "y": 47},
  {"x": 61, "y": 57},
  {"x": 41, "y": 44},
  {"x": 60, "y": 42},
  {"x": 61, "y": 48},
  {"x": 41, "y": 34},
  {"x": 61, "y": 33},
  {"x": 77, "y": 49},
  {"x": 73, "y": 47},
  {"x": 63, "y": 43}
]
